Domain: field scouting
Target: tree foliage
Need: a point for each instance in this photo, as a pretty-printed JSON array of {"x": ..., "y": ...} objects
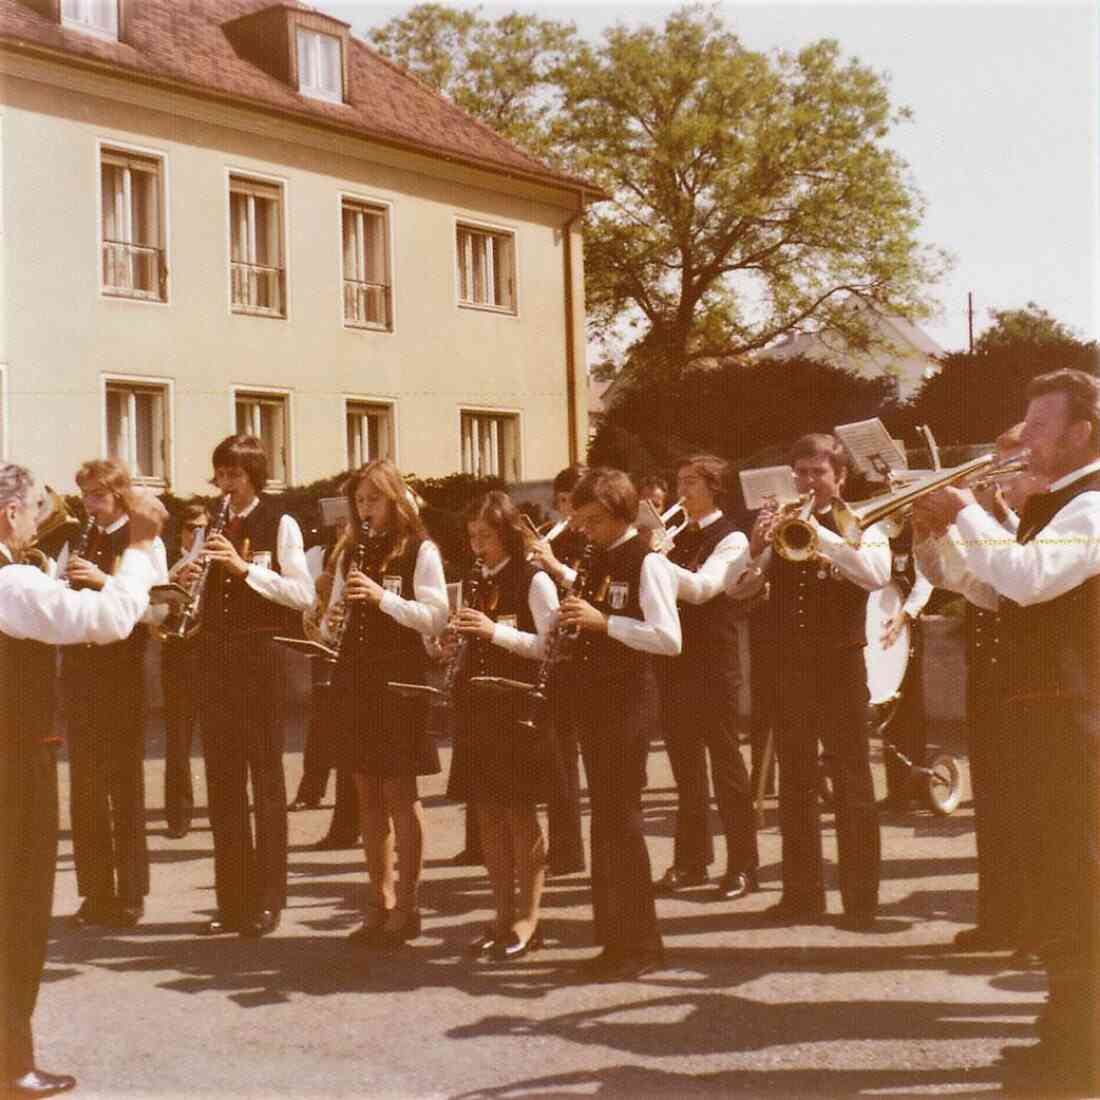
[{"x": 503, "y": 72}]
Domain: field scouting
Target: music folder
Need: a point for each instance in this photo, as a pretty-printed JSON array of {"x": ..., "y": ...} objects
[
  {"x": 171, "y": 595},
  {"x": 310, "y": 649}
]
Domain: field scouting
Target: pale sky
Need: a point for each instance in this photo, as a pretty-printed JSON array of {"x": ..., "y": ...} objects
[{"x": 1003, "y": 144}]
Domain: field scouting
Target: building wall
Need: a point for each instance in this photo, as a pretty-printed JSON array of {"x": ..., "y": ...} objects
[{"x": 64, "y": 336}]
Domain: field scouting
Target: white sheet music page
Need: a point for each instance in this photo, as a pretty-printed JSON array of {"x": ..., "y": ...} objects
[
  {"x": 768, "y": 485},
  {"x": 874, "y": 454}
]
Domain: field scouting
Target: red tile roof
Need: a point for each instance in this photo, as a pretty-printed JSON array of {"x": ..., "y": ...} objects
[{"x": 184, "y": 42}]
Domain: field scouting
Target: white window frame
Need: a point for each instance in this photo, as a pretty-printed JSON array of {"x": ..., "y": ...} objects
[
  {"x": 485, "y": 411},
  {"x": 387, "y": 403},
  {"x": 242, "y": 391},
  {"x": 87, "y": 27},
  {"x": 105, "y": 144},
  {"x": 387, "y": 207},
  {"x": 5, "y": 412},
  {"x": 146, "y": 381},
  {"x": 335, "y": 95},
  {"x": 282, "y": 183},
  {"x": 460, "y": 222}
]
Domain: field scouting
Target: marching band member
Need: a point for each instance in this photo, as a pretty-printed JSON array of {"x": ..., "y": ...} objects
[
  {"x": 179, "y": 681},
  {"x": 398, "y": 596},
  {"x": 627, "y": 613},
  {"x": 654, "y": 489},
  {"x": 258, "y": 570},
  {"x": 36, "y": 613},
  {"x": 103, "y": 698},
  {"x": 698, "y": 691},
  {"x": 820, "y": 613},
  {"x": 509, "y": 767},
  {"x": 559, "y": 557},
  {"x": 1047, "y": 581}
]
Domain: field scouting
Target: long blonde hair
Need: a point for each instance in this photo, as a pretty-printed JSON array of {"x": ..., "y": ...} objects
[{"x": 385, "y": 477}]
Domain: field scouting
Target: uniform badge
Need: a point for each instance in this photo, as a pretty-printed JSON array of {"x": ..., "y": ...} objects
[
  {"x": 508, "y": 620},
  {"x": 617, "y": 593},
  {"x": 262, "y": 558},
  {"x": 392, "y": 584}
]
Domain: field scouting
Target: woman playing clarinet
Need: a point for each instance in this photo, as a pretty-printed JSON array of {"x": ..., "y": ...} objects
[
  {"x": 388, "y": 580},
  {"x": 512, "y": 754}
]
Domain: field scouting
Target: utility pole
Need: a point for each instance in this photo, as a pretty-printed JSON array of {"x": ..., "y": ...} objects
[{"x": 970, "y": 317}]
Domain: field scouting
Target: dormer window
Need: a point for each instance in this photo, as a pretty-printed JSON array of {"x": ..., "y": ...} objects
[
  {"x": 319, "y": 65},
  {"x": 96, "y": 16}
]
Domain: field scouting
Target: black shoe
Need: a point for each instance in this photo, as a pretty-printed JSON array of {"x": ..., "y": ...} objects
[
  {"x": 127, "y": 916},
  {"x": 369, "y": 935},
  {"x": 515, "y": 948},
  {"x": 94, "y": 912},
  {"x": 793, "y": 912},
  {"x": 217, "y": 926},
  {"x": 736, "y": 884},
  {"x": 263, "y": 924},
  {"x": 856, "y": 922},
  {"x": 408, "y": 929},
  {"x": 176, "y": 833},
  {"x": 632, "y": 966},
  {"x": 303, "y": 804},
  {"x": 335, "y": 843},
  {"x": 483, "y": 944},
  {"x": 37, "y": 1082},
  {"x": 678, "y": 878},
  {"x": 982, "y": 939}
]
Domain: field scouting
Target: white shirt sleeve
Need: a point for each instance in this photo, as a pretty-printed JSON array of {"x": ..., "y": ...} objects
[
  {"x": 293, "y": 586},
  {"x": 542, "y": 598},
  {"x": 1065, "y": 554},
  {"x": 427, "y": 612},
  {"x": 919, "y": 595},
  {"x": 940, "y": 560},
  {"x": 869, "y": 566},
  {"x": 38, "y": 607},
  {"x": 659, "y": 631},
  {"x": 567, "y": 576},
  {"x": 158, "y": 556},
  {"x": 730, "y": 556}
]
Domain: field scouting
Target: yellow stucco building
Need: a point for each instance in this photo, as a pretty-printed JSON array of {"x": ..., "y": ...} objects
[{"x": 233, "y": 215}]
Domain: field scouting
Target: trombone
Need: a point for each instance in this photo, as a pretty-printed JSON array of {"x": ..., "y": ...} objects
[{"x": 893, "y": 508}]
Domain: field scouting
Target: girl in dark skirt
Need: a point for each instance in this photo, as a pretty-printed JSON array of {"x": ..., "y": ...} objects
[
  {"x": 509, "y": 766},
  {"x": 383, "y": 609}
]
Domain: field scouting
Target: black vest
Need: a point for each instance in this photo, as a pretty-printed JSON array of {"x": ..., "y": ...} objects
[
  {"x": 230, "y": 605},
  {"x": 104, "y": 551},
  {"x": 614, "y": 587},
  {"x": 709, "y": 629},
  {"x": 374, "y": 644},
  {"x": 814, "y": 604},
  {"x": 505, "y": 596},
  {"x": 1057, "y": 642},
  {"x": 568, "y": 547},
  {"x": 903, "y": 568},
  {"x": 27, "y": 695}
]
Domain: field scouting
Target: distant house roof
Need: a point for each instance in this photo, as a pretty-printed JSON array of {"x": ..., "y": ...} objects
[{"x": 185, "y": 42}]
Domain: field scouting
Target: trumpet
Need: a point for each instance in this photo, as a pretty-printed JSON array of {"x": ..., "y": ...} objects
[
  {"x": 185, "y": 622},
  {"x": 894, "y": 507},
  {"x": 793, "y": 535},
  {"x": 668, "y": 513}
]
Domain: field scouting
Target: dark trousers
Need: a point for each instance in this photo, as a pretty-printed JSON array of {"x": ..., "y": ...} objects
[
  {"x": 243, "y": 743},
  {"x": 28, "y": 855},
  {"x": 763, "y": 686},
  {"x": 614, "y": 744},
  {"x": 825, "y": 696},
  {"x": 698, "y": 716},
  {"x": 563, "y": 811},
  {"x": 179, "y": 678},
  {"x": 104, "y": 702},
  {"x": 908, "y": 730}
]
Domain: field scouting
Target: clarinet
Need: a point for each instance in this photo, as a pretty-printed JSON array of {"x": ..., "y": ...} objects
[
  {"x": 340, "y": 629},
  {"x": 81, "y": 545},
  {"x": 472, "y": 585},
  {"x": 563, "y": 644},
  {"x": 190, "y": 618}
]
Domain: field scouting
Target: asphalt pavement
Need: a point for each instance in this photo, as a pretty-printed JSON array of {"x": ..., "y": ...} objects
[{"x": 744, "y": 1008}]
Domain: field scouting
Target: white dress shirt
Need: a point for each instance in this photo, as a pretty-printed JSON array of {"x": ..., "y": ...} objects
[
  {"x": 542, "y": 599},
  {"x": 293, "y": 585},
  {"x": 659, "y": 631},
  {"x": 38, "y": 607},
  {"x": 730, "y": 555},
  {"x": 1064, "y": 555},
  {"x": 427, "y": 611}
]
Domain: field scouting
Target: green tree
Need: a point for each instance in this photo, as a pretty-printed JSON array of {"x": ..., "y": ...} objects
[
  {"x": 753, "y": 193},
  {"x": 502, "y": 72},
  {"x": 1031, "y": 325}
]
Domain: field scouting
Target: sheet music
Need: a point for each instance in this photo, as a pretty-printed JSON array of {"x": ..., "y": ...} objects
[
  {"x": 334, "y": 510},
  {"x": 874, "y": 454},
  {"x": 648, "y": 517},
  {"x": 768, "y": 485}
]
